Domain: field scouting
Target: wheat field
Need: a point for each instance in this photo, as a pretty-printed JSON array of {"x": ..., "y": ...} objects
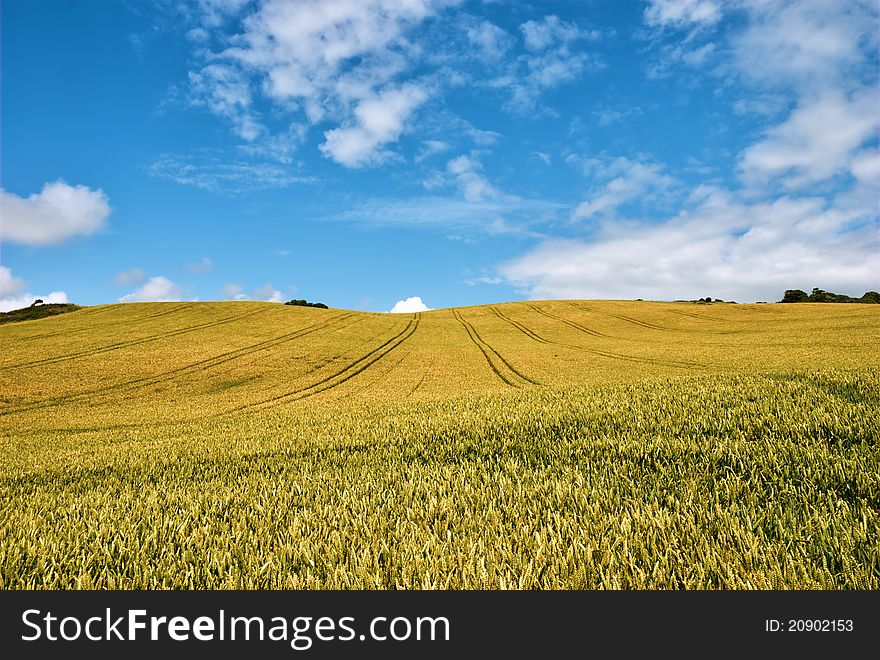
[{"x": 550, "y": 445}]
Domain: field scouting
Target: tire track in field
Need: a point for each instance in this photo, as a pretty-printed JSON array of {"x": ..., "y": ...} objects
[
  {"x": 381, "y": 376},
  {"x": 100, "y": 395},
  {"x": 342, "y": 375},
  {"x": 109, "y": 323},
  {"x": 643, "y": 324},
  {"x": 628, "y": 319},
  {"x": 134, "y": 342},
  {"x": 569, "y": 322},
  {"x": 510, "y": 376},
  {"x": 606, "y": 354},
  {"x": 422, "y": 379},
  {"x": 701, "y": 317},
  {"x": 519, "y": 326}
]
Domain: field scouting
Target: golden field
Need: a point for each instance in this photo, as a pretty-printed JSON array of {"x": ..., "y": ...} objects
[{"x": 565, "y": 444}]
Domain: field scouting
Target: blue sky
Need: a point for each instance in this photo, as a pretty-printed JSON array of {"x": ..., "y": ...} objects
[{"x": 366, "y": 153}]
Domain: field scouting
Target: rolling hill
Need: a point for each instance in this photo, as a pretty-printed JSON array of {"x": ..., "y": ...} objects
[
  {"x": 519, "y": 445},
  {"x": 151, "y": 362}
]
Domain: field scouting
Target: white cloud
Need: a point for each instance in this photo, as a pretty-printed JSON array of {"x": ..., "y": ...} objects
[
  {"x": 813, "y": 56},
  {"x": 449, "y": 213},
  {"x": 766, "y": 104},
  {"x": 9, "y": 284},
  {"x": 379, "y": 120},
  {"x": 492, "y": 42},
  {"x": 681, "y": 13},
  {"x": 56, "y": 213},
  {"x": 218, "y": 174},
  {"x": 216, "y": 11},
  {"x": 545, "y": 158},
  {"x": 197, "y": 35},
  {"x": 805, "y": 44},
  {"x": 156, "y": 289},
  {"x": 226, "y": 92},
  {"x": 279, "y": 147},
  {"x": 13, "y": 295},
  {"x": 481, "y": 137},
  {"x": 484, "y": 279},
  {"x": 625, "y": 180},
  {"x": 804, "y": 47},
  {"x": 549, "y": 31},
  {"x": 128, "y": 277},
  {"x": 201, "y": 266},
  {"x": 409, "y": 305},
  {"x": 551, "y": 60},
  {"x": 721, "y": 247},
  {"x": 815, "y": 142},
  {"x": 267, "y": 293},
  {"x": 303, "y": 48},
  {"x": 233, "y": 291},
  {"x": 431, "y": 147},
  {"x": 466, "y": 173},
  {"x": 339, "y": 61},
  {"x": 363, "y": 66},
  {"x": 608, "y": 115},
  {"x": 820, "y": 58},
  {"x": 26, "y": 299},
  {"x": 866, "y": 167}
]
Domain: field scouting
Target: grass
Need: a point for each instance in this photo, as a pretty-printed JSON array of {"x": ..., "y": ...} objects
[{"x": 576, "y": 444}]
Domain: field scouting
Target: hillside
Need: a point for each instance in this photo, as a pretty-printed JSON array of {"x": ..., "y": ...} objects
[
  {"x": 523, "y": 445},
  {"x": 139, "y": 363}
]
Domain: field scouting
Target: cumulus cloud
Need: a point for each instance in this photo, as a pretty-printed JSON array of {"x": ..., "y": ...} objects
[
  {"x": 335, "y": 61},
  {"x": 226, "y": 92},
  {"x": 722, "y": 246},
  {"x": 58, "y": 212},
  {"x": 233, "y": 291},
  {"x": 679, "y": 13},
  {"x": 14, "y": 296},
  {"x": 265, "y": 293},
  {"x": 549, "y": 31},
  {"x": 409, "y": 305},
  {"x": 865, "y": 167},
  {"x": 805, "y": 44},
  {"x": 304, "y": 47},
  {"x": 128, "y": 277},
  {"x": 624, "y": 180},
  {"x": 551, "y": 59},
  {"x": 777, "y": 47},
  {"x": 378, "y": 120},
  {"x": 26, "y": 299},
  {"x": 9, "y": 284},
  {"x": 431, "y": 147},
  {"x": 466, "y": 172},
  {"x": 817, "y": 140},
  {"x": 364, "y": 66},
  {"x": 156, "y": 289},
  {"x": 818, "y": 58},
  {"x": 216, "y": 11},
  {"x": 776, "y": 232},
  {"x": 491, "y": 41}
]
